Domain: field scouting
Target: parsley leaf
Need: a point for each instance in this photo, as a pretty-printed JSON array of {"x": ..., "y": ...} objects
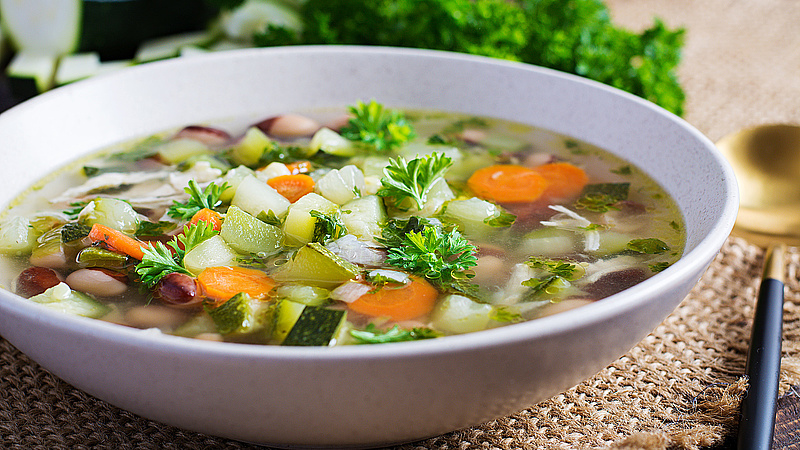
[
  {"x": 191, "y": 237},
  {"x": 371, "y": 335},
  {"x": 158, "y": 262},
  {"x": 650, "y": 246},
  {"x": 327, "y": 227},
  {"x": 208, "y": 198},
  {"x": 556, "y": 276},
  {"x": 383, "y": 128},
  {"x": 413, "y": 179},
  {"x": 443, "y": 257}
]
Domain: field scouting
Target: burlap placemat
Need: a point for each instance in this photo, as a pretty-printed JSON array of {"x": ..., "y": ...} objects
[{"x": 679, "y": 388}]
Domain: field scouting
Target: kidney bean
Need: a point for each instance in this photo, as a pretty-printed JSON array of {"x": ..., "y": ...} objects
[
  {"x": 35, "y": 280},
  {"x": 178, "y": 289},
  {"x": 207, "y": 135}
]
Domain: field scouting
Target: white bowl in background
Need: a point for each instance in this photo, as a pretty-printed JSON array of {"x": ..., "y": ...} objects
[{"x": 357, "y": 395}]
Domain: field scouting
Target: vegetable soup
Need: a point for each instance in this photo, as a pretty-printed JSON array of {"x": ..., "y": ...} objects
[{"x": 362, "y": 225}]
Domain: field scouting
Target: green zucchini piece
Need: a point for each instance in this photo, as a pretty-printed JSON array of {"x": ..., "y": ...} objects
[
  {"x": 316, "y": 326},
  {"x": 315, "y": 265},
  {"x": 255, "y": 196},
  {"x": 179, "y": 150},
  {"x": 76, "y": 67},
  {"x": 100, "y": 257},
  {"x": 72, "y": 232},
  {"x": 284, "y": 315},
  {"x": 301, "y": 293},
  {"x": 212, "y": 252},
  {"x": 171, "y": 46},
  {"x": 30, "y": 74},
  {"x": 253, "y": 145},
  {"x": 61, "y": 298},
  {"x": 236, "y": 315},
  {"x": 111, "y": 212},
  {"x": 247, "y": 234}
]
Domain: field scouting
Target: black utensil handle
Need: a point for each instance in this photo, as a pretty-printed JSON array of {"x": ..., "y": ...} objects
[{"x": 757, "y": 423}]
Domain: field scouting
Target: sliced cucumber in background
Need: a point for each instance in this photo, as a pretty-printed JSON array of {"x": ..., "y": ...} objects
[
  {"x": 112, "y": 28},
  {"x": 30, "y": 73}
]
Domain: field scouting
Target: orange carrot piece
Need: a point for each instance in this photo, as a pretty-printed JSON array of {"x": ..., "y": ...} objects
[
  {"x": 292, "y": 186},
  {"x": 208, "y": 215},
  {"x": 299, "y": 167},
  {"x": 118, "y": 241},
  {"x": 222, "y": 283},
  {"x": 415, "y": 299},
  {"x": 565, "y": 180},
  {"x": 507, "y": 183}
]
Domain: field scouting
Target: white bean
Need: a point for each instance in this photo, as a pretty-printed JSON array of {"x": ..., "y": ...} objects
[
  {"x": 289, "y": 126},
  {"x": 96, "y": 282}
]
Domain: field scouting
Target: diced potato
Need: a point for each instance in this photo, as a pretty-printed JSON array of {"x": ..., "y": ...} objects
[
  {"x": 332, "y": 143},
  {"x": 341, "y": 185},
  {"x": 255, "y": 196},
  {"x": 363, "y": 217},
  {"x": 247, "y": 234},
  {"x": 17, "y": 237},
  {"x": 212, "y": 252},
  {"x": 299, "y": 224},
  {"x": 459, "y": 314},
  {"x": 234, "y": 177}
]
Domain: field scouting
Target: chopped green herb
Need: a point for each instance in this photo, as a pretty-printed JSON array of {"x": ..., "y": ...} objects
[
  {"x": 208, "y": 198},
  {"x": 602, "y": 197},
  {"x": 562, "y": 269},
  {"x": 191, "y": 237},
  {"x": 659, "y": 266},
  {"x": 413, "y": 179},
  {"x": 624, "y": 170},
  {"x": 373, "y": 124},
  {"x": 270, "y": 218},
  {"x": 328, "y": 227},
  {"x": 674, "y": 225},
  {"x": 650, "y": 246},
  {"x": 502, "y": 220},
  {"x": 75, "y": 209},
  {"x": 502, "y": 314},
  {"x": 147, "y": 228}
]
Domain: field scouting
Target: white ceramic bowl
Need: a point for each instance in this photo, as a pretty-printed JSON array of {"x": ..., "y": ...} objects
[{"x": 361, "y": 395}]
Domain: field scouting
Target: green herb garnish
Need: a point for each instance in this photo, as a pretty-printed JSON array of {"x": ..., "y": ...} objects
[
  {"x": 158, "y": 262},
  {"x": 373, "y": 124},
  {"x": 207, "y": 198},
  {"x": 327, "y": 227},
  {"x": 147, "y": 228},
  {"x": 443, "y": 257},
  {"x": 649, "y": 246},
  {"x": 413, "y": 179},
  {"x": 191, "y": 237}
]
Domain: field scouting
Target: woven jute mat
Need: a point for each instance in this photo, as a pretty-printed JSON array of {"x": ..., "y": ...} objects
[{"x": 679, "y": 388}]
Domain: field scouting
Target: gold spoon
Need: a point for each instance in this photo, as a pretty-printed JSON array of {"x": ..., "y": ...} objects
[{"x": 766, "y": 161}]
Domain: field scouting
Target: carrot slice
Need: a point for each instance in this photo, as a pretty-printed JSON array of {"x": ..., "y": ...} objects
[
  {"x": 415, "y": 299},
  {"x": 565, "y": 180},
  {"x": 299, "y": 167},
  {"x": 292, "y": 186},
  {"x": 507, "y": 183},
  {"x": 223, "y": 282},
  {"x": 117, "y": 241},
  {"x": 208, "y": 215}
]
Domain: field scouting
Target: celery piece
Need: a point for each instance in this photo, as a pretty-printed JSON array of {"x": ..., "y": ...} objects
[
  {"x": 61, "y": 298},
  {"x": 247, "y": 234},
  {"x": 315, "y": 265}
]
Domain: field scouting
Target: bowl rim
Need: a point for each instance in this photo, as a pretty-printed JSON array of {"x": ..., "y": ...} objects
[{"x": 694, "y": 261}]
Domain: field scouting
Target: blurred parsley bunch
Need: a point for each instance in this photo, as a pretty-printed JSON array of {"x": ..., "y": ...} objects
[{"x": 575, "y": 36}]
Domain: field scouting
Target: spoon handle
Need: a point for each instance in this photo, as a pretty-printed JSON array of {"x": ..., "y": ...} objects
[{"x": 757, "y": 423}]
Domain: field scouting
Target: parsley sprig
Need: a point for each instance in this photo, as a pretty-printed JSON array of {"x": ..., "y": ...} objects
[
  {"x": 158, "y": 262},
  {"x": 556, "y": 275},
  {"x": 373, "y": 124},
  {"x": 207, "y": 198},
  {"x": 413, "y": 179},
  {"x": 443, "y": 257}
]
